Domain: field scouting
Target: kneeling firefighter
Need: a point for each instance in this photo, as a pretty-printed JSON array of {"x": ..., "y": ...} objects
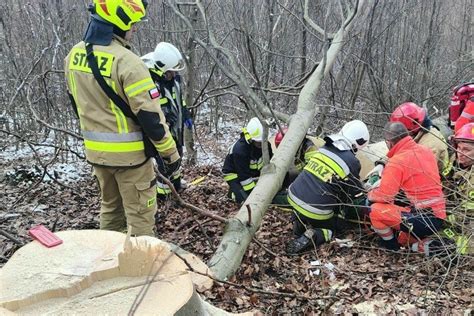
[{"x": 328, "y": 181}]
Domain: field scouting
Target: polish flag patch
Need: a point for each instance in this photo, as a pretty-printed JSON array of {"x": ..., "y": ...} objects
[{"x": 154, "y": 93}]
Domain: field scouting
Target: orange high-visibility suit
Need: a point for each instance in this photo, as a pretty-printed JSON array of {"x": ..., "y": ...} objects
[{"x": 411, "y": 169}]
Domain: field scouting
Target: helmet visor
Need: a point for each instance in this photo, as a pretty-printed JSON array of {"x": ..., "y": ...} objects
[
  {"x": 361, "y": 141},
  {"x": 178, "y": 67}
]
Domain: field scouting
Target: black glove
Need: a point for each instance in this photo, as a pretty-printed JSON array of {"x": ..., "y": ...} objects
[
  {"x": 172, "y": 167},
  {"x": 171, "y": 119}
]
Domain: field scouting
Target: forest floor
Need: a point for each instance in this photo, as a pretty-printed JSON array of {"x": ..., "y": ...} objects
[{"x": 349, "y": 275}]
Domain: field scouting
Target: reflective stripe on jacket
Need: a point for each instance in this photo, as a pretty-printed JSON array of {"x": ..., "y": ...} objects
[
  {"x": 172, "y": 103},
  {"x": 412, "y": 169},
  {"x": 467, "y": 115},
  {"x": 110, "y": 137},
  {"x": 329, "y": 180},
  {"x": 243, "y": 162},
  {"x": 308, "y": 148}
]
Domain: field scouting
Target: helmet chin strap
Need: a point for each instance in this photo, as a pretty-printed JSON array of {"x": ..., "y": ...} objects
[{"x": 119, "y": 32}]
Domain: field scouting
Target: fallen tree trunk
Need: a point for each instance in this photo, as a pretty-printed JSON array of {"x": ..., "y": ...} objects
[{"x": 240, "y": 229}]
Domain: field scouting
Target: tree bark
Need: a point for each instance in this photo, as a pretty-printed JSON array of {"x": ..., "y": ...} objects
[
  {"x": 239, "y": 231},
  {"x": 191, "y": 154}
]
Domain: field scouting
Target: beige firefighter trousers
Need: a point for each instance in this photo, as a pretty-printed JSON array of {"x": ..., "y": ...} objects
[{"x": 128, "y": 198}]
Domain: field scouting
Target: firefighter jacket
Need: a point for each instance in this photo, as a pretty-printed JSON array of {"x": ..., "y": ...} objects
[
  {"x": 411, "y": 169},
  {"x": 434, "y": 140},
  {"x": 460, "y": 192},
  {"x": 467, "y": 115},
  {"x": 111, "y": 138},
  {"x": 244, "y": 162},
  {"x": 463, "y": 180},
  {"x": 172, "y": 103},
  {"x": 330, "y": 179},
  {"x": 308, "y": 148}
]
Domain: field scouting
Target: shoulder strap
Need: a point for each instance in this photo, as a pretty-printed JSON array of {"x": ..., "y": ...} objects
[
  {"x": 105, "y": 87},
  {"x": 150, "y": 149}
]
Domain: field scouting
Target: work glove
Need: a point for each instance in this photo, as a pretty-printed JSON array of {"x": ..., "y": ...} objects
[
  {"x": 189, "y": 123},
  {"x": 172, "y": 168},
  {"x": 370, "y": 185},
  {"x": 377, "y": 170},
  {"x": 372, "y": 182},
  {"x": 171, "y": 119}
]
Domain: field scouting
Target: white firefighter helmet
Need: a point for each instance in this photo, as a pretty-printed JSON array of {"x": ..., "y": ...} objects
[
  {"x": 165, "y": 57},
  {"x": 357, "y": 133},
  {"x": 254, "y": 129}
]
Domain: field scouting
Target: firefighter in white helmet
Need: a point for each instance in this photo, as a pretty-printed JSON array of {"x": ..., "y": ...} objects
[
  {"x": 244, "y": 161},
  {"x": 164, "y": 63},
  {"x": 329, "y": 181}
]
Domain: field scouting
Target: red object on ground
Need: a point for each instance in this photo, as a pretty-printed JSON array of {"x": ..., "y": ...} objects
[{"x": 44, "y": 236}]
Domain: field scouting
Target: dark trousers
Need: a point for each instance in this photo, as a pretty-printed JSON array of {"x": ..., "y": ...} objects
[
  {"x": 420, "y": 225},
  {"x": 236, "y": 191},
  {"x": 301, "y": 223}
]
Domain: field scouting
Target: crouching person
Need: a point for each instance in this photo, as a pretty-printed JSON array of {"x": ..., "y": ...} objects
[
  {"x": 329, "y": 180},
  {"x": 409, "y": 197},
  {"x": 244, "y": 161}
]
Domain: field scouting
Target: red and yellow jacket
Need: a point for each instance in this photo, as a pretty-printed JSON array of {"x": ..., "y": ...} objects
[{"x": 412, "y": 169}]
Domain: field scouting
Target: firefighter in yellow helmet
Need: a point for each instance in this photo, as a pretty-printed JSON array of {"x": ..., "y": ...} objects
[{"x": 120, "y": 116}]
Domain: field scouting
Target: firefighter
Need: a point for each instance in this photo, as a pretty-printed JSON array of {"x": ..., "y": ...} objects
[
  {"x": 164, "y": 64},
  {"x": 244, "y": 161},
  {"x": 307, "y": 149},
  {"x": 329, "y": 180},
  {"x": 423, "y": 132},
  {"x": 461, "y": 110},
  {"x": 409, "y": 196},
  {"x": 463, "y": 190},
  {"x": 121, "y": 135}
]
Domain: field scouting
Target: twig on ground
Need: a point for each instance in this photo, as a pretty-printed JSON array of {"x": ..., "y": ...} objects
[
  {"x": 252, "y": 289},
  {"x": 264, "y": 247},
  {"x": 188, "y": 205},
  {"x": 9, "y": 236}
]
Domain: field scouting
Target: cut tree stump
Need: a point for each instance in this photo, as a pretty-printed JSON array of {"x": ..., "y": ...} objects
[{"x": 103, "y": 272}]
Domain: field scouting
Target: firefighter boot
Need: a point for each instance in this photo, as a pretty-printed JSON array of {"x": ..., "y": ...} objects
[
  {"x": 391, "y": 244},
  {"x": 311, "y": 237},
  {"x": 435, "y": 246}
]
